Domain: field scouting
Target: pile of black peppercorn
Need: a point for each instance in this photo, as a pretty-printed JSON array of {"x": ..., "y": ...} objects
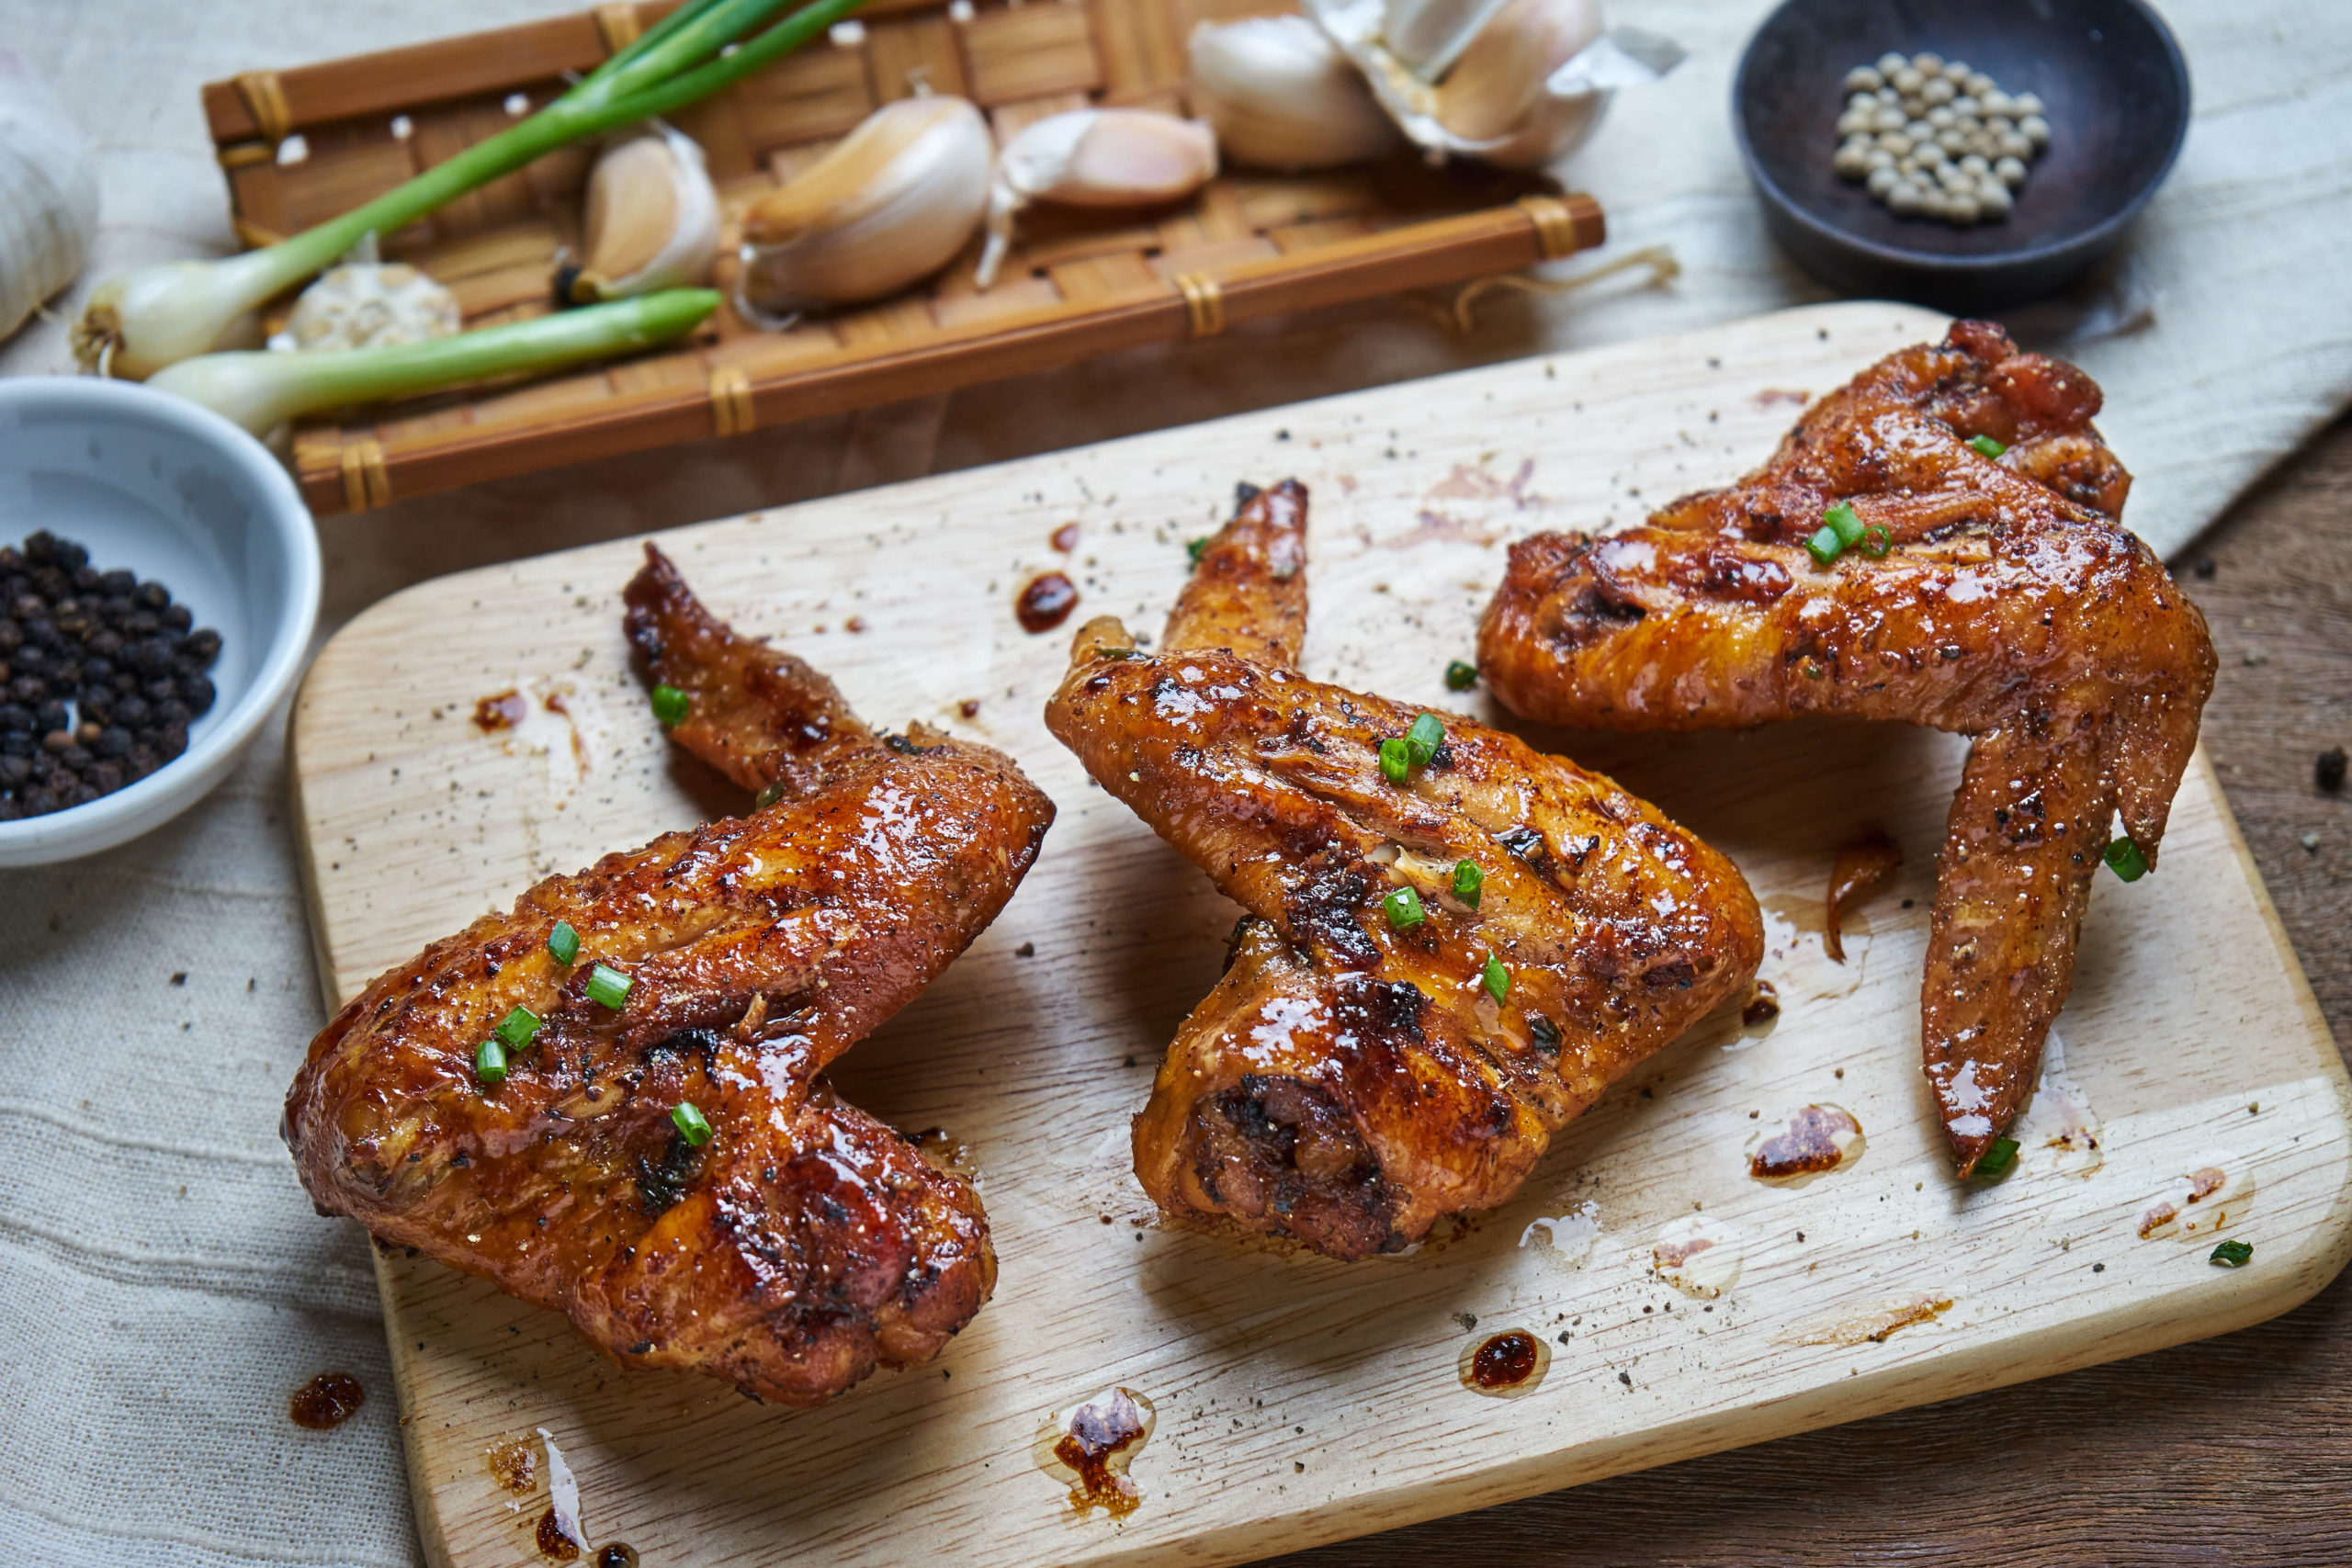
[{"x": 100, "y": 676}]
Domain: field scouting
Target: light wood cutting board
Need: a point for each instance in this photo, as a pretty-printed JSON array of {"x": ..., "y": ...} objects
[{"x": 1300, "y": 1401}]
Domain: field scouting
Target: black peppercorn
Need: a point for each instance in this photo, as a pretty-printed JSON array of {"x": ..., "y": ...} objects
[
  {"x": 114, "y": 740},
  {"x": 151, "y": 596},
  {"x": 202, "y": 645},
  {"x": 117, "y": 584},
  {"x": 105, "y": 777},
  {"x": 38, "y": 802},
  {"x": 28, "y": 689},
  {"x": 171, "y": 740},
  {"x": 15, "y": 716},
  {"x": 196, "y": 692},
  {"x": 19, "y": 743},
  {"x": 133, "y": 712},
  {"x": 48, "y": 715},
  {"x": 15, "y": 770},
  {"x": 177, "y": 619},
  {"x": 2328, "y": 770},
  {"x": 12, "y": 638}
]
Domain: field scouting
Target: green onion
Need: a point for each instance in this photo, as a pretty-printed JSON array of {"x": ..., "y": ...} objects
[
  {"x": 1422, "y": 740},
  {"x": 1468, "y": 880},
  {"x": 490, "y": 1063},
  {"x": 1841, "y": 521},
  {"x": 670, "y": 705},
  {"x": 607, "y": 986},
  {"x": 1986, "y": 446},
  {"x": 693, "y": 1125},
  {"x": 1195, "y": 549},
  {"x": 2124, "y": 858},
  {"x": 1497, "y": 977},
  {"x": 1404, "y": 907},
  {"x": 517, "y": 1027},
  {"x": 770, "y": 796},
  {"x": 1461, "y": 676},
  {"x": 2231, "y": 1255},
  {"x": 141, "y": 321},
  {"x": 564, "y": 941},
  {"x": 1996, "y": 1159},
  {"x": 1876, "y": 541},
  {"x": 1395, "y": 760},
  {"x": 1824, "y": 545}
]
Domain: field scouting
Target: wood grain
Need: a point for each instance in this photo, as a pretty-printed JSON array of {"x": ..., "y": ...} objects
[
  {"x": 1302, "y": 1401},
  {"x": 2234, "y": 1449}
]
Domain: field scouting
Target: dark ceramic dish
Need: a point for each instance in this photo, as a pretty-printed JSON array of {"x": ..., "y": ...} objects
[{"x": 2117, "y": 93}]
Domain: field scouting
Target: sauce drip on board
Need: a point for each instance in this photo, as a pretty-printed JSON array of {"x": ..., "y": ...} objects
[
  {"x": 553, "y": 1542},
  {"x": 1817, "y": 1140},
  {"x": 1046, "y": 603},
  {"x": 1763, "y": 1004},
  {"x": 1859, "y": 867},
  {"x": 1506, "y": 1364},
  {"x": 327, "y": 1402},
  {"x": 512, "y": 1466},
  {"x": 619, "y": 1554},
  {"x": 1094, "y": 1445},
  {"x": 1065, "y": 538},
  {"x": 504, "y": 710}
]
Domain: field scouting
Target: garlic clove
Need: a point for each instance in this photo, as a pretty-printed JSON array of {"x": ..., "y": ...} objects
[
  {"x": 1279, "y": 94},
  {"x": 891, "y": 203},
  {"x": 1428, "y": 36},
  {"x": 1095, "y": 158},
  {"x": 49, "y": 194},
  {"x": 651, "y": 223},
  {"x": 370, "y": 305},
  {"x": 1500, "y": 75}
]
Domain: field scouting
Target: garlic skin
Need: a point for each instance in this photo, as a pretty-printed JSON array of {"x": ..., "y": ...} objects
[
  {"x": 370, "y": 305},
  {"x": 1494, "y": 87},
  {"x": 891, "y": 203},
  {"x": 1281, "y": 96},
  {"x": 652, "y": 219},
  {"x": 49, "y": 194},
  {"x": 1428, "y": 36},
  {"x": 1095, "y": 158}
]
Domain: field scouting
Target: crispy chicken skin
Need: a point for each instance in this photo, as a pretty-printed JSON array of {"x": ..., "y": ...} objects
[
  {"x": 806, "y": 1243},
  {"x": 2010, "y": 606},
  {"x": 1348, "y": 1083}
]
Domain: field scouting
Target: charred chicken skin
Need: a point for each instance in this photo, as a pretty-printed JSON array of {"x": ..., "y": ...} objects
[
  {"x": 2001, "y": 600},
  {"x": 1395, "y": 1040},
  {"x": 800, "y": 1243}
]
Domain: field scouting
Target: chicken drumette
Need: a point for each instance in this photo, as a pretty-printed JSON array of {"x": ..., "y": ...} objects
[
  {"x": 1991, "y": 593},
  {"x": 772, "y": 1236},
  {"x": 1397, "y": 1037}
]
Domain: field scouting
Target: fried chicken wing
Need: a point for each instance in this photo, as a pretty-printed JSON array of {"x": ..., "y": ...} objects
[
  {"x": 803, "y": 1242},
  {"x": 1396, "y": 1038},
  {"x": 2004, "y": 603}
]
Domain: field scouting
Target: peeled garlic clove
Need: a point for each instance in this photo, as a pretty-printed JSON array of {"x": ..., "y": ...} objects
[
  {"x": 1428, "y": 36},
  {"x": 1281, "y": 95},
  {"x": 1095, "y": 158},
  {"x": 49, "y": 194},
  {"x": 652, "y": 220},
  {"x": 370, "y": 305},
  {"x": 1499, "y": 77},
  {"x": 891, "y": 203}
]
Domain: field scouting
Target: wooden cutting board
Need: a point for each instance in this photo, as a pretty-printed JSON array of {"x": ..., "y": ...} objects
[{"x": 1299, "y": 1400}]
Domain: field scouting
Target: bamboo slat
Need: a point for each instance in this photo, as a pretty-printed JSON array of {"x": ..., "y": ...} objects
[{"x": 297, "y": 146}]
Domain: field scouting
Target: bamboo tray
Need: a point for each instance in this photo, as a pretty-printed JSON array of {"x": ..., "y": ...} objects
[{"x": 302, "y": 145}]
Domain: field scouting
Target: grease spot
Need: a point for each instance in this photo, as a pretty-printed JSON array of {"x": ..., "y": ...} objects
[
  {"x": 504, "y": 710},
  {"x": 511, "y": 1466},
  {"x": 1090, "y": 1447},
  {"x": 1871, "y": 1324},
  {"x": 327, "y": 1402},
  {"x": 2216, "y": 1188},
  {"x": 1570, "y": 1236},
  {"x": 1505, "y": 1365},
  {"x": 1699, "y": 1254},
  {"x": 1816, "y": 1141}
]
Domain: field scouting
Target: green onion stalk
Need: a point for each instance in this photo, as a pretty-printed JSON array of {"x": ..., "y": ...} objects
[
  {"x": 261, "y": 390},
  {"x": 143, "y": 321}
]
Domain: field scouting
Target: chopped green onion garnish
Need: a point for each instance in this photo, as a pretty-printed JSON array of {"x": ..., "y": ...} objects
[
  {"x": 1114, "y": 653},
  {"x": 2124, "y": 858},
  {"x": 1395, "y": 760},
  {"x": 564, "y": 941},
  {"x": 1996, "y": 1160},
  {"x": 490, "y": 1063},
  {"x": 1876, "y": 541},
  {"x": 1422, "y": 740},
  {"x": 769, "y": 796},
  {"x": 1986, "y": 446},
  {"x": 1824, "y": 545},
  {"x": 1841, "y": 521},
  {"x": 1497, "y": 977},
  {"x": 607, "y": 986},
  {"x": 1461, "y": 676},
  {"x": 671, "y": 706},
  {"x": 2231, "y": 1255},
  {"x": 693, "y": 1125},
  {"x": 1196, "y": 549},
  {"x": 517, "y": 1027},
  {"x": 1468, "y": 880},
  {"x": 1404, "y": 907}
]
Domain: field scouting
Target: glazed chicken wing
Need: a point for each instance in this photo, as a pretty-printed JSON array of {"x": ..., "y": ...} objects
[
  {"x": 794, "y": 1242},
  {"x": 2002, "y": 601},
  {"x": 1435, "y": 973}
]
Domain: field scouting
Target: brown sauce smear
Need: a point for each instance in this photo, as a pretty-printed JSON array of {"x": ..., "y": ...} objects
[
  {"x": 1065, "y": 538},
  {"x": 1506, "y": 1364},
  {"x": 553, "y": 1542},
  {"x": 503, "y": 711},
  {"x": 1095, "y": 1447},
  {"x": 512, "y": 1466},
  {"x": 327, "y": 1401},
  {"x": 620, "y": 1554},
  {"x": 1046, "y": 603},
  {"x": 1763, "y": 1004},
  {"x": 1859, "y": 867},
  {"x": 1818, "y": 1139}
]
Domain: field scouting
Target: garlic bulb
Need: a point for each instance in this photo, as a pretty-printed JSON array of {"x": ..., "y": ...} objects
[
  {"x": 652, "y": 219},
  {"x": 1279, "y": 94},
  {"x": 370, "y": 305},
  {"x": 892, "y": 203},
  {"x": 49, "y": 195},
  {"x": 1095, "y": 158}
]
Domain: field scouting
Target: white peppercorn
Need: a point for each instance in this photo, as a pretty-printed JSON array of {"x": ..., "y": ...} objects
[{"x": 1936, "y": 138}]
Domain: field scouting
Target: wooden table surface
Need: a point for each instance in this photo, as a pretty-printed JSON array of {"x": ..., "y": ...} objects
[{"x": 2232, "y": 1451}]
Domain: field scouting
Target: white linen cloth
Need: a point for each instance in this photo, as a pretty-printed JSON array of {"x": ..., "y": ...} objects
[{"x": 164, "y": 1284}]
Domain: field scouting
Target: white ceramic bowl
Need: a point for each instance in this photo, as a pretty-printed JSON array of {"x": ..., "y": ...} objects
[{"x": 173, "y": 492}]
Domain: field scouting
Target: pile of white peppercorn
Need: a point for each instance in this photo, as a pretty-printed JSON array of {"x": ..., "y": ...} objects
[{"x": 1934, "y": 138}]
